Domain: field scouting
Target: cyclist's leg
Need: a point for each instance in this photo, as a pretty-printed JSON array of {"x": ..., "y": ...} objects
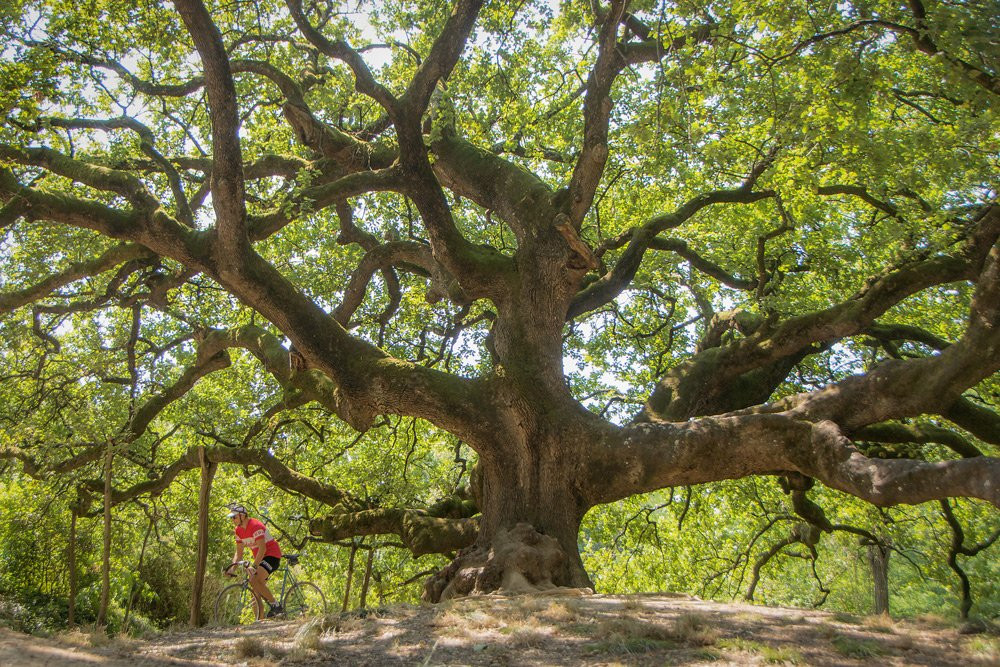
[
  {"x": 258, "y": 605},
  {"x": 258, "y": 582},
  {"x": 268, "y": 566}
]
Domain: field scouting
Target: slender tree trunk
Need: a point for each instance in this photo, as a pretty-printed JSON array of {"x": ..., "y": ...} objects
[
  {"x": 368, "y": 578},
  {"x": 878, "y": 560},
  {"x": 138, "y": 574},
  {"x": 207, "y": 473},
  {"x": 102, "y": 612},
  {"x": 71, "y": 616},
  {"x": 350, "y": 576}
]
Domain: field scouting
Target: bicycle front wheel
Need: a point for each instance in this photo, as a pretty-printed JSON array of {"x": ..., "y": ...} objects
[
  {"x": 305, "y": 599},
  {"x": 234, "y": 606}
]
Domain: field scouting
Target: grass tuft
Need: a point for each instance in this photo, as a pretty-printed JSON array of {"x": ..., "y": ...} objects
[
  {"x": 986, "y": 649},
  {"x": 706, "y": 655},
  {"x": 934, "y": 620},
  {"x": 853, "y": 647},
  {"x": 781, "y": 655},
  {"x": 526, "y": 637},
  {"x": 560, "y": 611},
  {"x": 631, "y": 628},
  {"x": 253, "y": 647},
  {"x": 695, "y": 629},
  {"x": 882, "y": 624},
  {"x": 633, "y": 605},
  {"x": 629, "y": 645},
  {"x": 842, "y": 617},
  {"x": 743, "y": 645},
  {"x": 307, "y": 639}
]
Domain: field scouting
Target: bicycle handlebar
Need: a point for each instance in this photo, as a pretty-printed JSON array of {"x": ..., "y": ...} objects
[{"x": 245, "y": 564}]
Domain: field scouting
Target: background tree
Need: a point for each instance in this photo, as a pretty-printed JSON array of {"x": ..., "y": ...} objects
[{"x": 611, "y": 250}]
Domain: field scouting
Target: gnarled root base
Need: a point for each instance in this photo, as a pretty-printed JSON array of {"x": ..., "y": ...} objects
[{"x": 519, "y": 560}]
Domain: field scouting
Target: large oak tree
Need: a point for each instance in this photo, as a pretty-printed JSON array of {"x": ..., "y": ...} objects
[{"x": 612, "y": 249}]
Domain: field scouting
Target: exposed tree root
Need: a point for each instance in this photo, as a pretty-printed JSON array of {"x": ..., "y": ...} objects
[{"x": 518, "y": 560}]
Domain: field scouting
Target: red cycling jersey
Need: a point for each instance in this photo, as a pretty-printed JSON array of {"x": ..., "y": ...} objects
[{"x": 254, "y": 530}]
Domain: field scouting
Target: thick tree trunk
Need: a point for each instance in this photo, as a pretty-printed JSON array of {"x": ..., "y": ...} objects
[{"x": 528, "y": 533}]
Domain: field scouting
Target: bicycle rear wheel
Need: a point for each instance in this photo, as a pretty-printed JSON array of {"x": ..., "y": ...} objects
[
  {"x": 305, "y": 599},
  {"x": 234, "y": 606}
]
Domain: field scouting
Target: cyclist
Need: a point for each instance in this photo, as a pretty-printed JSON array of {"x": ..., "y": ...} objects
[{"x": 266, "y": 557}]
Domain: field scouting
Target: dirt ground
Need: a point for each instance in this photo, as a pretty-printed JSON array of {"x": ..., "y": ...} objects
[{"x": 561, "y": 629}]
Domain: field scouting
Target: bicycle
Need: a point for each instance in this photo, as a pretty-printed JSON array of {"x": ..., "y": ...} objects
[{"x": 235, "y": 603}]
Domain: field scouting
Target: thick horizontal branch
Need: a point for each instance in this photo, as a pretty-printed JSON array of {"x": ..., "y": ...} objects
[
  {"x": 790, "y": 337},
  {"x": 644, "y": 457},
  {"x": 280, "y": 475},
  {"x": 370, "y": 382},
  {"x": 67, "y": 209},
  {"x": 917, "y": 386},
  {"x": 95, "y": 176},
  {"x": 421, "y": 531},
  {"x": 654, "y": 50},
  {"x": 906, "y": 332},
  {"x": 120, "y": 254},
  {"x": 919, "y": 434},
  {"x": 977, "y": 419},
  {"x": 318, "y": 197}
]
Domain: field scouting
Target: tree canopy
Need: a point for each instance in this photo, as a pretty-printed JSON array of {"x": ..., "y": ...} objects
[{"x": 517, "y": 260}]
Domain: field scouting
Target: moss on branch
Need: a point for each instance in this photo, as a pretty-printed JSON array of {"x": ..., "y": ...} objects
[{"x": 434, "y": 530}]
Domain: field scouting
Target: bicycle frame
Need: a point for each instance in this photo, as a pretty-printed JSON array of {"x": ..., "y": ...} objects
[
  {"x": 287, "y": 581},
  {"x": 296, "y": 597}
]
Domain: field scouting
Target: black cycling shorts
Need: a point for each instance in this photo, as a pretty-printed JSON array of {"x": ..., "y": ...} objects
[{"x": 270, "y": 563}]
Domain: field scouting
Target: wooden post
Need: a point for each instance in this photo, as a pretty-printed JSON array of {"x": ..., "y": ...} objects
[
  {"x": 350, "y": 575},
  {"x": 878, "y": 560},
  {"x": 368, "y": 578},
  {"x": 204, "y": 495},
  {"x": 102, "y": 612},
  {"x": 71, "y": 616}
]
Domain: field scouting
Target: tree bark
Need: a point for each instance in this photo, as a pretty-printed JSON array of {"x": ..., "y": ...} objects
[
  {"x": 529, "y": 527},
  {"x": 71, "y": 615},
  {"x": 350, "y": 576},
  {"x": 137, "y": 582},
  {"x": 368, "y": 578},
  {"x": 207, "y": 473},
  {"x": 878, "y": 560},
  {"x": 102, "y": 612}
]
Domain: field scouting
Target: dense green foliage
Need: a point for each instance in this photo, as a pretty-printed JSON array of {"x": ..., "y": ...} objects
[{"x": 876, "y": 156}]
